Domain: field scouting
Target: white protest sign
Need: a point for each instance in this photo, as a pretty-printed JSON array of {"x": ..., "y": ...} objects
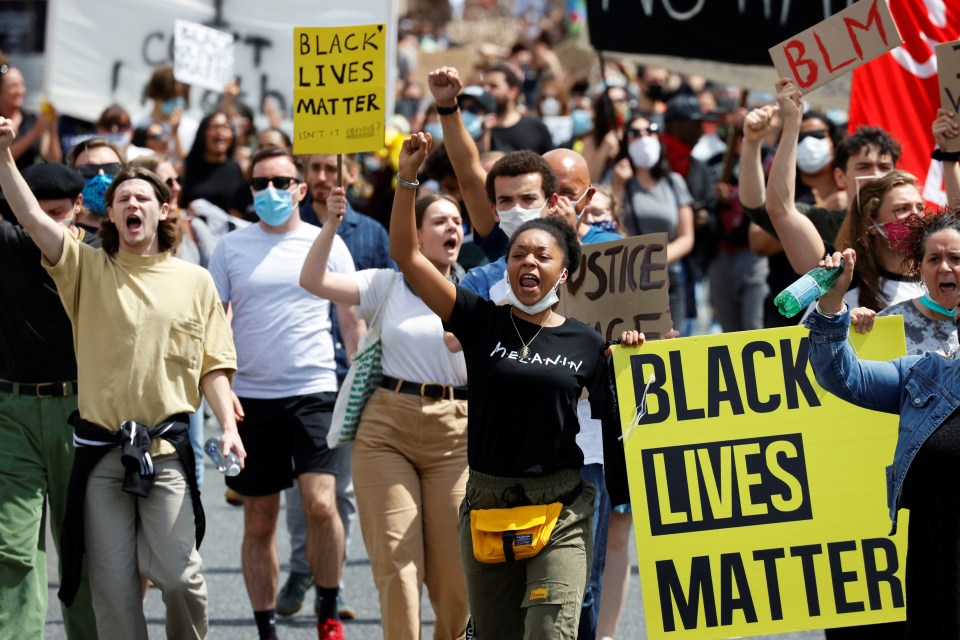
[
  {"x": 948, "y": 70},
  {"x": 839, "y": 44},
  {"x": 202, "y": 56},
  {"x": 103, "y": 52}
]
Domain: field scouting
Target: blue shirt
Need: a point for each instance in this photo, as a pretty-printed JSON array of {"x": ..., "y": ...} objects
[{"x": 480, "y": 279}]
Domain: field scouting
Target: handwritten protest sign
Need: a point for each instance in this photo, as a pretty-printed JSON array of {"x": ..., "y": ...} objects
[
  {"x": 841, "y": 43},
  {"x": 948, "y": 72},
  {"x": 621, "y": 285},
  {"x": 202, "y": 56},
  {"x": 758, "y": 498},
  {"x": 340, "y": 79}
]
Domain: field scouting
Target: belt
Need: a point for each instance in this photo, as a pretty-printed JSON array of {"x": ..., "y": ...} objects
[
  {"x": 45, "y": 390},
  {"x": 431, "y": 390}
]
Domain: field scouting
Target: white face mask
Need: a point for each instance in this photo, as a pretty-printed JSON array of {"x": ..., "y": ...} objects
[
  {"x": 644, "y": 152},
  {"x": 813, "y": 154},
  {"x": 551, "y": 298},
  {"x": 549, "y": 106},
  {"x": 512, "y": 219}
]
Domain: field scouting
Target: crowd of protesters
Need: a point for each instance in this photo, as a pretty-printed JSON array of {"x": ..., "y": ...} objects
[{"x": 491, "y": 179}]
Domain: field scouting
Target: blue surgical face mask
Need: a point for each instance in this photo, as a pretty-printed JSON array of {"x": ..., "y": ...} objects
[
  {"x": 171, "y": 105},
  {"x": 435, "y": 130},
  {"x": 274, "y": 207},
  {"x": 582, "y": 122},
  {"x": 474, "y": 123},
  {"x": 94, "y": 191}
]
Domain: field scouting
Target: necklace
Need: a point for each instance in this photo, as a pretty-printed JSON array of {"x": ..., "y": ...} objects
[{"x": 525, "y": 349}]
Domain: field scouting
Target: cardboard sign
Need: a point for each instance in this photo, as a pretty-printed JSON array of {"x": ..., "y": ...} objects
[
  {"x": 621, "y": 285},
  {"x": 759, "y": 499},
  {"x": 202, "y": 56},
  {"x": 948, "y": 72},
  {"x": 839, "y": 44},
  {"x": 339, "y": 95}
]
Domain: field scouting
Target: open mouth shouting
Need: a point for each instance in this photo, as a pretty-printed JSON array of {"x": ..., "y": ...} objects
[
  {"x": 133, "y": 222},
  {"x": 529, "y": 283}
]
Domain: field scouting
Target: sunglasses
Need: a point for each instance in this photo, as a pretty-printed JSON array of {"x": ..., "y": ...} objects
[
  {"x": 279, "y": 182},
  {"x": 819, "y": 135},
  {"x": 157, "y": 137},
  {"x": 635, "y": 132},
  {"x": 88, "y": 171},
  {"x": 172, "y": 181}
]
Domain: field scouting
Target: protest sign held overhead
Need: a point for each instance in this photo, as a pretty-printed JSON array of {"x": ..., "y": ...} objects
[
  {"x": 948, "y": 72},
  {"x": 758, "y": 498},
  {"x": 340, "y": 80},
  {"x": 202, "y": 56},
  {"x": 838, "y": 45},
  {"x": 621, "y": 285}
]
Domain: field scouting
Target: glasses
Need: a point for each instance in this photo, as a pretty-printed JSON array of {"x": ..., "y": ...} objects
[
  {"x": 635, "y": 132},
  {"x": 279, "y": 182},
  {"x": 88, "y": 171},
  {"x": 819, "y": 135},
  {"x": 172, "y": 181}
]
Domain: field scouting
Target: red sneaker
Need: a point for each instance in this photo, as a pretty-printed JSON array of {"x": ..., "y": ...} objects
[{"x": 330, "y": 629}]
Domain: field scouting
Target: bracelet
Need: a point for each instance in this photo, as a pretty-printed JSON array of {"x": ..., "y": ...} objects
[
  {"x": 447, "y": 111},
  {"x": 830, "y": 315},
  {"x": 945, "y": 156},
  {"x": 406, "y": 184}
]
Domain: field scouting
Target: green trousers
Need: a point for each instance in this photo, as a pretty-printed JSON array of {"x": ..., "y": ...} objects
[
  {"x": 538, "y": 598},
  {"x": 36, "y": 456}
]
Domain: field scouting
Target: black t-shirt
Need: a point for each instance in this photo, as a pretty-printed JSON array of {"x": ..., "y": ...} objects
[
  {"x": 217, "y": 183},
  {"x": 528, "y": 133},
  {"x": 523, "y": 413},
  {"x": 37, "y": 342}
]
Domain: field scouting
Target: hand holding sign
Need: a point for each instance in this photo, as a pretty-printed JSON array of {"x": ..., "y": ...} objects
[
  {"x": 7, "y": 133},
  {"x": 445, "y": 85},
  {"x": 945, "y": 129},
  {"x": 948, "y": 72},
  {"x": 336, "y": 206},
  {"x": 790, "y": 100}
]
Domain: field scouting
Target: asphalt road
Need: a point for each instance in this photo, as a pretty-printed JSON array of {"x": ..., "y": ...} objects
[{"x": 230, "y": 614}]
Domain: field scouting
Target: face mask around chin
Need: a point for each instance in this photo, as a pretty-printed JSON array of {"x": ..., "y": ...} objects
[
  {"x": 548, "y": 300},
  {"x": 272, "y": 206},
  {"x": 513, "y": 219}
]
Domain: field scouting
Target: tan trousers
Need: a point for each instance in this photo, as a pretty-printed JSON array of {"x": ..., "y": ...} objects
[
  {"x": 156, "y": 535},
  {"x": 409, "y": 474}
]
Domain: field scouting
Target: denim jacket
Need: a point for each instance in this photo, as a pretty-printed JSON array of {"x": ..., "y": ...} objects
[{"x": 922, "y": 389}]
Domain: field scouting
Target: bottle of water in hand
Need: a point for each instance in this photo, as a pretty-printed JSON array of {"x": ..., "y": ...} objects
[
  {"x": 228, "y": 464},
  {"x": 810, "y": 286}
]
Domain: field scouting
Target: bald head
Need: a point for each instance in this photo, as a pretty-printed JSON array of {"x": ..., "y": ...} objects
[{"x": 572, "y": 171}]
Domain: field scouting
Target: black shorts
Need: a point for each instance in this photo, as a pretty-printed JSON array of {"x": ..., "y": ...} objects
[{"x": 284, "y": 437}]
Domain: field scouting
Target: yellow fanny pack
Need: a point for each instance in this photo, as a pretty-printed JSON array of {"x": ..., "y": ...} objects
[{"x": 505, "y": 535}]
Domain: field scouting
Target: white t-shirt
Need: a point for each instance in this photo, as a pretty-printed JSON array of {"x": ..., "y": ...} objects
[
  {"x": 282, "y": 332},
  {"x": 895, "y": 290},
  {"x": 411, "y": 334}
]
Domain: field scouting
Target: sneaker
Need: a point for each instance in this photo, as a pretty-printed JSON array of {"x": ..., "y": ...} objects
[
  {"x": 344, "y": 609},
  {"x": 290, "y": 598},
  {"x": 233, "y": 498},
  {"x": 330, "y": 630}
]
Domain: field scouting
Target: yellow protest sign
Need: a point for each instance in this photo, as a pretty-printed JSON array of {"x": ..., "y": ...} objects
[
  {"x": 339, "y": 94},
  {"x": 759, "y": 499}
]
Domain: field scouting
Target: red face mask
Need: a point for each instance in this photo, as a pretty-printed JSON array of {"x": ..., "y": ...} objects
[{"x": 894, "y": 232}]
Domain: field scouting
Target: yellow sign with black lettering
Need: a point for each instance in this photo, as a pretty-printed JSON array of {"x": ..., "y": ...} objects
[
  {"x": 339, "y": 88},
  {"x": 759, "y": 499}
]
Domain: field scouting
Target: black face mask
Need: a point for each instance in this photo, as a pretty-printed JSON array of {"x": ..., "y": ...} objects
[
  {"x": 655, "y": 92},
  {"x": 407, "y": 107}
]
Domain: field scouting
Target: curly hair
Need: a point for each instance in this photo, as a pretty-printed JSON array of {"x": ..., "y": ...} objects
[
  {"x": 854, "y": 233},
  {"x": 166, "y": 229},
  {"x": 865, "y": 137},
  {"x": 913, "y": 244},
  {"x": 520, "y": 163},
  {"x": 562, "y": 232}
]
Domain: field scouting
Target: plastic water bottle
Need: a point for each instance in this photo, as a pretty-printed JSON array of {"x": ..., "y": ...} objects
[
  {"x": 810, "y": 286},
  {"x": 228, "y": 464}
]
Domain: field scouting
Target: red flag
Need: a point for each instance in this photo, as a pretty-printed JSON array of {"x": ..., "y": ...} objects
[{"x": 899, "y": 91}]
